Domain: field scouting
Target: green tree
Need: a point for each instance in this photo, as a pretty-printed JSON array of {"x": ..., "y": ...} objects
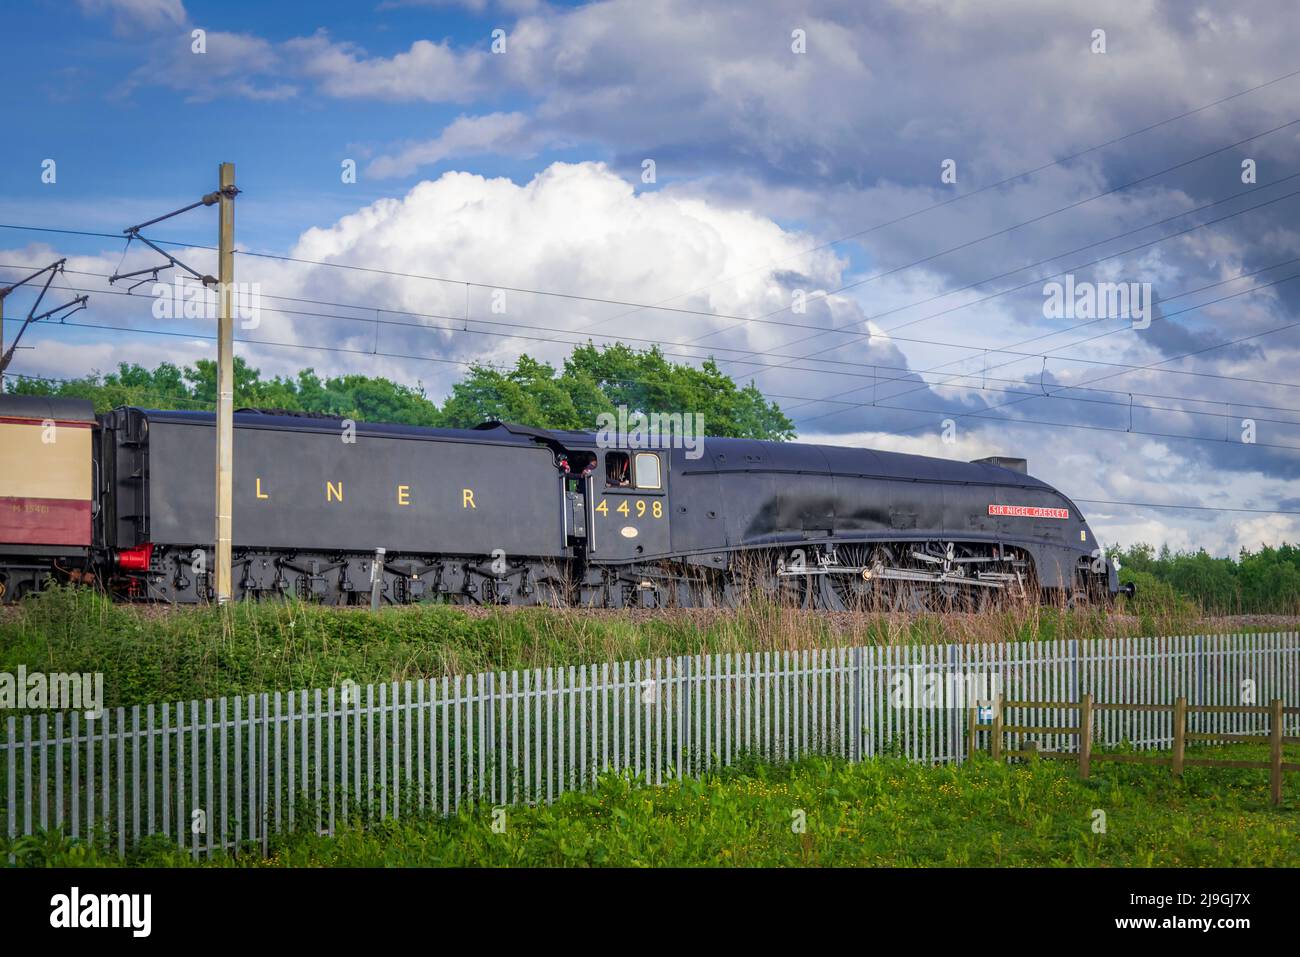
[
  {"x": 131, "y": 384},
  {"x": 528, "y": 394},
  {"x": 598, "y": 380},
  {"x": 593, "y": 380},
  {"x": 1265, "y": 581}
]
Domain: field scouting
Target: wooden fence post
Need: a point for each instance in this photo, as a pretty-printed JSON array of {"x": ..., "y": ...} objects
[
  {"x": 1275, "y": 748},
  {"x": 1085, "y": 735},
  {"x": 1180, "y": 734},
  {"x": 995, "y": 736}
]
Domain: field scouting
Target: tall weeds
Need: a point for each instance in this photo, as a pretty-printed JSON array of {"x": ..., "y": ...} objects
[{"x": 152, "y": 654}]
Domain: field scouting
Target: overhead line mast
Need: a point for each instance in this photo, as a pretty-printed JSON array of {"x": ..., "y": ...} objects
[
  {"x": 225, "y": 382},
  {"x": 6, "y": 356},
  {"x": 223, "y": 198}
]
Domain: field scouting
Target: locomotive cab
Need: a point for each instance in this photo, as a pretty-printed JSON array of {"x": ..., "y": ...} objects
[{"x": 629, "y": 509}]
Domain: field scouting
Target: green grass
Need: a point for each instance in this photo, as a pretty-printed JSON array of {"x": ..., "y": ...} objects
[
  {"x": 152, "y": 655},
  {"x": 884, "y": 812}
]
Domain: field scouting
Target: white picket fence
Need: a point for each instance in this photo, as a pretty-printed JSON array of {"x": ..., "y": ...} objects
[{"x": 229, "y": 773}]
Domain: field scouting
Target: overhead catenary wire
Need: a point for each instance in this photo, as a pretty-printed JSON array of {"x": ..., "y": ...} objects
[
  {"x": 1016, "y": 421},
  {"x": 32, "y": 318},
  {"x": 966, "y": 195},
  {"x": 569, "y": 332},
  {"x": 672, "y": 309},
  {"x": 1050, "y": 353},
  {"x": 438, "y": 359},
  {"x": 641, "y": 306},
  {"x": 1053, "y": 353},
  {"x": 983, "y": 415},
  {"x": 1014, "y": 226},
  {"x": 763, "y": 366},
  {"x": 1112, "y": 375},
  {"x": 848, "y": 328},
  {"x": 810, "y": 400},
  {"x": 1192, "y": 508},
  {"x": 759, "y": 367},
  {"x": 807, "y": 400},
  {"x": 461, "y": 327}
]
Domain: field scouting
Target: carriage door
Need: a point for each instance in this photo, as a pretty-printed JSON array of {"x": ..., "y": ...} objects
[{"x": 629, "y": 505}]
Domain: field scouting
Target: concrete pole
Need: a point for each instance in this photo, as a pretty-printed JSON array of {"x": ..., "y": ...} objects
[{"x": 225, "y": 382}]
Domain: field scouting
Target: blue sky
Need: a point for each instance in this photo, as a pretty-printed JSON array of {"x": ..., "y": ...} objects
[
  {"x": 84, "y": 95},
  {"x": 779, "y": 172}
]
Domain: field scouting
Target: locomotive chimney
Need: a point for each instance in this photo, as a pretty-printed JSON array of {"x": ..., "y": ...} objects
[{"x": 1004, "y": 462}]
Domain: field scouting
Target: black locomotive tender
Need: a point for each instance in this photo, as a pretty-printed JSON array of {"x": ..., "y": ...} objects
[{"x": 504, "y": 514}]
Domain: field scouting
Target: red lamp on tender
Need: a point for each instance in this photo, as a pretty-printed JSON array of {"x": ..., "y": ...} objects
[{"x": 135, "y": 559}]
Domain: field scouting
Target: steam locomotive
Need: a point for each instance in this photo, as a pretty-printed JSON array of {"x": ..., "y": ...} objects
[{"x": 505, "y": 514}]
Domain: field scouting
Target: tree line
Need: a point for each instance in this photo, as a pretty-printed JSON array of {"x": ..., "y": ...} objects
[
  {"x": 1266, "y": 581},
  {"x": 593, "y": 380}
]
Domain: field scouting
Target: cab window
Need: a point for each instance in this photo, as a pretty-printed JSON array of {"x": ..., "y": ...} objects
[
  {"x": 617, "y": 470},
  {"x": 647, "y": 471}
]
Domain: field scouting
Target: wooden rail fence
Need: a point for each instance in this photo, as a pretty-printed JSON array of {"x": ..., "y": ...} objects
[{"x": 1084, "y": 755}]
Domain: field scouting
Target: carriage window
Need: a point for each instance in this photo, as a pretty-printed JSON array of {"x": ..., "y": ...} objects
[
  {"x": 647, "y": 471},
  {"x": 617, "y": 469}
]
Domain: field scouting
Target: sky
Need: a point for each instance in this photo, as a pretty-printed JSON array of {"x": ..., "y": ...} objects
[{"x": 858, "y": 206}]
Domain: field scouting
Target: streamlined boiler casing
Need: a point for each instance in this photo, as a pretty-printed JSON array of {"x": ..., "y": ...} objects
[{"x": 747, "y": 494}]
